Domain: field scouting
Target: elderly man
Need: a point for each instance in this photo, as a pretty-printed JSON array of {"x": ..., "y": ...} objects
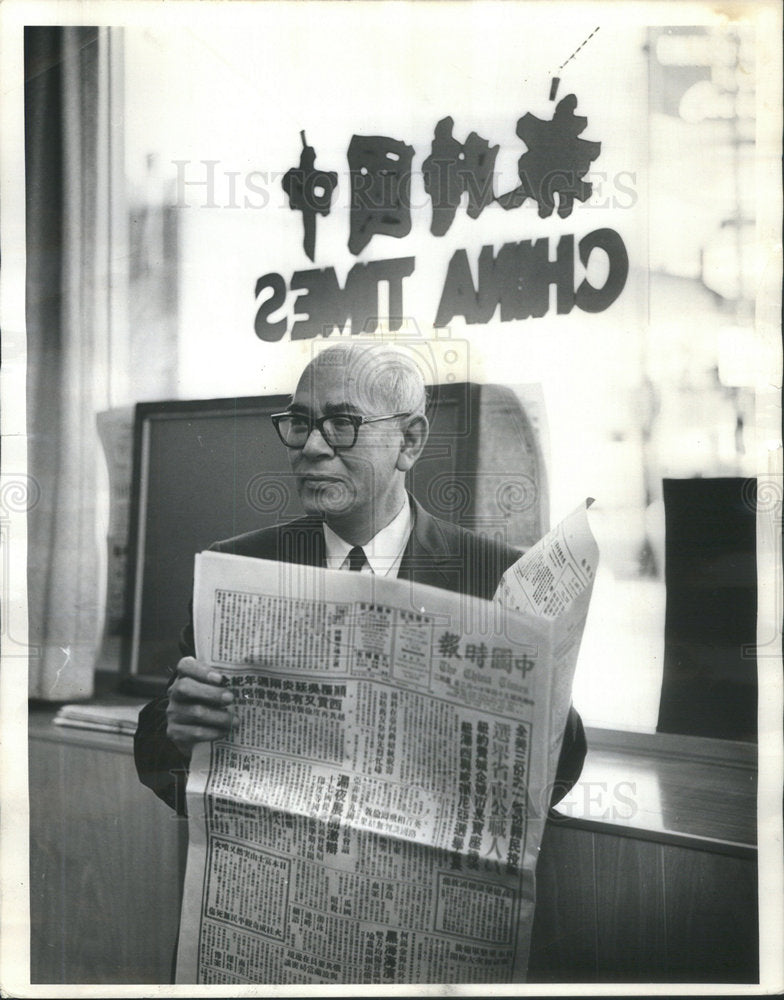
[{"x": 355, "y": 426}]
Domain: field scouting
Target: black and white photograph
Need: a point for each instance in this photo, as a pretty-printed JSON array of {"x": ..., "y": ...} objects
[{"x": 391, "y": 498}]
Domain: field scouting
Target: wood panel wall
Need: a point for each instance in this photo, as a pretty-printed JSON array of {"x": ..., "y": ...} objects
[
  {"x": 624, "y": 909},
  {"x": 105, "y": 861}
]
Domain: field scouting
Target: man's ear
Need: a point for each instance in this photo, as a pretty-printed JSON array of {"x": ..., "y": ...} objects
[{"x": 414, "y": 432}]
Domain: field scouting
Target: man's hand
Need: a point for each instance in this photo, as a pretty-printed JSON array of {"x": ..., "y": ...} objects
[{"x": 200, "y": 708}]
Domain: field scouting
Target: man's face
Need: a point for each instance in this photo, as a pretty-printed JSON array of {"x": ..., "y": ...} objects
[{"x": 357, "y": 487}]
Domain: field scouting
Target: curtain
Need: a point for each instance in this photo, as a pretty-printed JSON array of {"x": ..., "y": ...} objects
[{"x": 66, "y": 314}]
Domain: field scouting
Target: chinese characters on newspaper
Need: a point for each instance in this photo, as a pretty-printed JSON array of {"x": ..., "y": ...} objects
[{"x": 376, "y": 813}]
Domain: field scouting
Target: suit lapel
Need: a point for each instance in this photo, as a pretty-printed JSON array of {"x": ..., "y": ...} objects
[{"x": 428, "y": 555}]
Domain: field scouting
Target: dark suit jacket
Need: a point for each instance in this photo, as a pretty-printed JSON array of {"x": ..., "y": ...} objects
[{"x": 438, "y": 553}]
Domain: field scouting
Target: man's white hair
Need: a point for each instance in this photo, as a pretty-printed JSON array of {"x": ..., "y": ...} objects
[{"x": 383, "y": 377}]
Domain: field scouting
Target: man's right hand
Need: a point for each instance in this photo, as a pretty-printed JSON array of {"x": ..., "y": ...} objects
[{"x": 199, "y": 708}]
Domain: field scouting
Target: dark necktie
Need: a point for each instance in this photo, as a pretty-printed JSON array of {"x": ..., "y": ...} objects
[{"x": 356, "y": 559}]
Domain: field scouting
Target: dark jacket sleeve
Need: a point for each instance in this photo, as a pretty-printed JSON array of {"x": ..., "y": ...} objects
[
  {"x": 159, "y": 763},
  {"x": 570, "y": 761}
]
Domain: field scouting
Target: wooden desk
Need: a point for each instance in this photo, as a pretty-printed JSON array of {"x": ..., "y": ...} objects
[
  {"x": 105, "y": 861},
  {"x": 648, "y": 874},
  {"x": 649, "y": 871}
]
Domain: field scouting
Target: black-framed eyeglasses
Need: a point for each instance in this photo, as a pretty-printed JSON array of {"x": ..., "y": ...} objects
[{"x": 339, "y": 430}]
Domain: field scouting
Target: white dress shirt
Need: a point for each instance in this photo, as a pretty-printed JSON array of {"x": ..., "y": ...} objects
[{"x": 384, "y": 551}]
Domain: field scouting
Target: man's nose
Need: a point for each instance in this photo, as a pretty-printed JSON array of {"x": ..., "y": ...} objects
[{"x": 315, "y": 446}]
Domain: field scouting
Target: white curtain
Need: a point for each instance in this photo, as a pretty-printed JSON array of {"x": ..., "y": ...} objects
[{"x": 68, "y": 309}]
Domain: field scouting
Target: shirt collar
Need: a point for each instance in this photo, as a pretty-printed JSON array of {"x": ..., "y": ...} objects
[{"x": 383, "y": 552}]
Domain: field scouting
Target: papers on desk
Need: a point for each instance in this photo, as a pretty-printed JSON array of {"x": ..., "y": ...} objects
[{"x": 121, "y": 719}]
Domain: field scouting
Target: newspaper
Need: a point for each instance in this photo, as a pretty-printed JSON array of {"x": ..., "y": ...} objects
[
  {"x": 376, "y": 812},
  {"x": 554, "y": 580}
]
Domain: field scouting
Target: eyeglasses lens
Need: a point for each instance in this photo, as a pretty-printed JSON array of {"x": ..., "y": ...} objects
[{"x": 338, "y": 432}]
